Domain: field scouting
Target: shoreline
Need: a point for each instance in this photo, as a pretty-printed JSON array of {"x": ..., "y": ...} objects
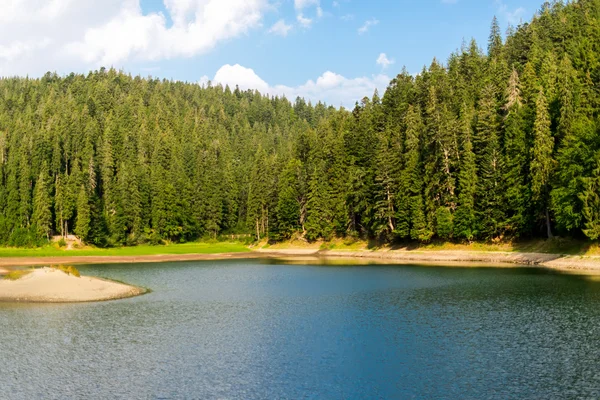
[
  {"x": 48, "y": 285},
  {"x": 557, "y": 262}
]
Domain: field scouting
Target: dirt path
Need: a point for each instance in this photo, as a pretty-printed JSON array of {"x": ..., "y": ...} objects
[{"x": 71, "y": 260}]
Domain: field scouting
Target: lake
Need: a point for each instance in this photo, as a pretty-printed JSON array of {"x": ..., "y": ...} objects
[{"x": 247, "y": 330}]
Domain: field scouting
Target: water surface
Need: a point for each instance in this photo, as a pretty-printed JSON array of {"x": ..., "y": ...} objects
[{"x": 246, "y": 330}]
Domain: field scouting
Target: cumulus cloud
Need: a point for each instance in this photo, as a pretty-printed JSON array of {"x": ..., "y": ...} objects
[
  {"x": 384, "y": 61},
  {"x": 367, "y": 25},
  {"x": 332, "y": 88},
  {"x": 80, "y": 34},
  {"x": 245, "y": 78}
]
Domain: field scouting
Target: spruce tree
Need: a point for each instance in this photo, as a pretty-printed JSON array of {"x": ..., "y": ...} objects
[
  {"x": 42, "y": 203},
  {"x": 591, "y": 203},
  {"x": 412, "y": 222},
  {"x": 516, "y": 156},
  {"x": 490, "y": 198},
  {"x": 82, "y": 225},
  {"x": 542, "y": 163},
  {"x": 464, "y": 217}
]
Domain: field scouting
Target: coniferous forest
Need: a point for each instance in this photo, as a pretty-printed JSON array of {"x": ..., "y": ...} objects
[{"x": 501, "y": 142}]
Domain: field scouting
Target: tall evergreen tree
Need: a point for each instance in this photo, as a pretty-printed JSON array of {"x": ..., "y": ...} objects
[
  {"x": 542, "y": 163},
  {"x": 42, "y": 203},
  {"x": 465, "y": 226},
  {"x": 516, "y": 159},
  {"x": 82, "y": 225}
]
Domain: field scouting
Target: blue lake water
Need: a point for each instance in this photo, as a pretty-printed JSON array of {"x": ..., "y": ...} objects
[{"x": 246, "y": 330}]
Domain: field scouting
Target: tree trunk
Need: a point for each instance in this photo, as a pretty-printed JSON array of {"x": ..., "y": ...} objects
[
  {"x": 548, "y": 227},
  {"x": 391, "y": 210}
]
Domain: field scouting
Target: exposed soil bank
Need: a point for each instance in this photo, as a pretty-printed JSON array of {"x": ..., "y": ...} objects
[
  {"x": 575, "y": 264},
  {"x": 49, "y": 285}
]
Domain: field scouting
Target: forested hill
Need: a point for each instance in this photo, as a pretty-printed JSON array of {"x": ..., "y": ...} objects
[{"x": 501, "y": 143}]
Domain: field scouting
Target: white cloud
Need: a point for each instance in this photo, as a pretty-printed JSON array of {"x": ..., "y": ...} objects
[
  {"x": 302, "y": 4},
  {"x": 514, "y": 17},
  {"x": 302, "y": 20},
  {"x": 280, "y": 28},
  {"x": 332, "y": 88},
  {"x": 66, "y": 35},
  {"x": 245, "y": 78},
  {"x": 384, "y": 61},
  {"x": 367, "y": 25}
]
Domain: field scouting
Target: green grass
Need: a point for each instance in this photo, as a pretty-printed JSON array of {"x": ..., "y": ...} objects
[
  {"x": 17, "y": 274},
  {"x": 186, "y": 248}
]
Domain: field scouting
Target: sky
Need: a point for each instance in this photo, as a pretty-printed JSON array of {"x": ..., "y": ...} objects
[{"x": 336, "y": 51}]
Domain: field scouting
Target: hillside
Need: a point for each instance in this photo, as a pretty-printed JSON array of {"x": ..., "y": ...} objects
[{"x": 492, "y": 144}]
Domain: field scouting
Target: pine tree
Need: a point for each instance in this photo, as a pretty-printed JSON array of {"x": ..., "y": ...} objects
[
  {"x": 42, "y": 203},
  {"x": 495, "y": 40},
  {"x": 411, "y": 215},
  {"x": 591, "y": 204},
  {"x": 464, "y": 217},
  {"x": 290, "y": 199},
  {"x": 82, "y": 225},
  {"x": 542, "y": 163},
  {"x": 516, "y": 156},
  {"x": 490, "y": 198},
  {"x": 387, "y": 174}
]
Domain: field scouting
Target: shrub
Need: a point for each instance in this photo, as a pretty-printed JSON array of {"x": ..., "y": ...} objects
[
  {"x": 18, "y": 274},
  {"x": 68, "y": 269}
]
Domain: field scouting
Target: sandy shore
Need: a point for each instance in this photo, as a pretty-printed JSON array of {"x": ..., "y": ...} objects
[
  {"x": 589, "y": 265},
  {"x": 49, "y": 285},
  {"x": 575, "y": 264}
]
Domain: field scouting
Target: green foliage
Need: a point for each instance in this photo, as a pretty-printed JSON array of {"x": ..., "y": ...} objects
[
  {"x": 444, "y": 223},
  {"x": 82, "y": 225},
  {"x": 591, "y": 204},
  {"x": 68, "y": 269},
  {"x": 17, "y": 274}
]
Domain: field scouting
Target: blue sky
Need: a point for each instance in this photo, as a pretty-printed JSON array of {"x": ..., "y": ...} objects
[{"x": 319, "y": 49}]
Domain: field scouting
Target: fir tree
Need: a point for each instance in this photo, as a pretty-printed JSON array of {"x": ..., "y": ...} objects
[
  {"x": 516, "y": 156},
  {"x": 542, "y": 163},
  {"x": 42, "y": 214},
  {"x": 464, "y": 217},
  {"x": 82, "y": 226}
]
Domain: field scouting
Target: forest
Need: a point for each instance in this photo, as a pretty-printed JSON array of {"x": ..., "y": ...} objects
[{"x": 494, "y": 144}]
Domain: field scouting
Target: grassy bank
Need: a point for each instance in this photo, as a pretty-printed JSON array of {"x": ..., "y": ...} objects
[
  {"x": 186, "y": 248},
  {"x": 552, "y": 246}
]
